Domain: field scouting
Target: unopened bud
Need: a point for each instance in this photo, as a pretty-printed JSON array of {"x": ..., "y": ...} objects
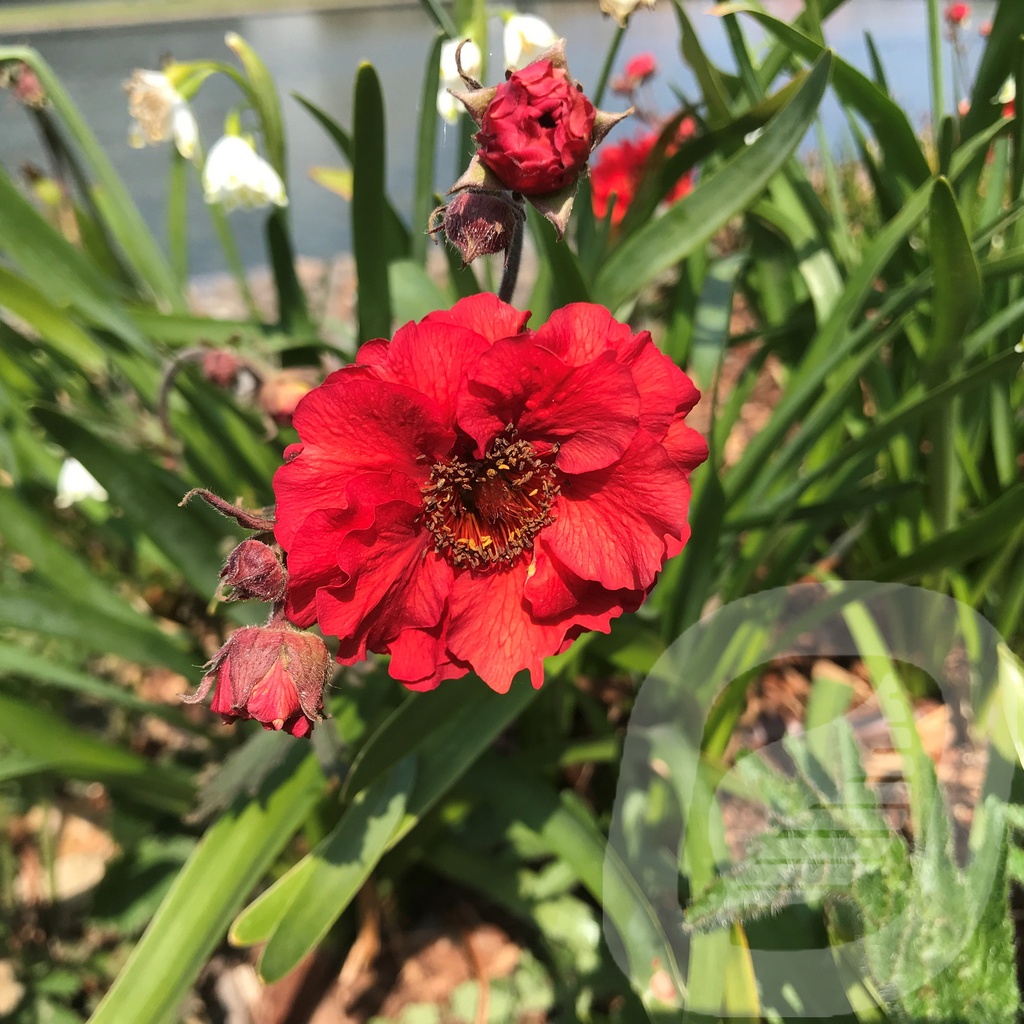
[
  {"x": 26, "y": 86},
  {"x": 254, "y": 573},
  {"x": 477, "y": 223},
  {"x": 221, "y": 367},
  {"x": 274, "y": 674},
  {"x": 282, "y": 391}
]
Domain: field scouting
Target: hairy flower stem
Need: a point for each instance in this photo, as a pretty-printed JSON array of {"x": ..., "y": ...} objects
[{"x": 513, "y": 257}]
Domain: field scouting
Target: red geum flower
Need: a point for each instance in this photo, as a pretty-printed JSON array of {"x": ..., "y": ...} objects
[
  {"x": 957, "y": 14},
  {"x": 536, "y": 133},
  {"x": 474, "y": 495},
  {"x": 638, "y": 69},
  {"x": 273, "y": 674},
  {"x": 620, "y": 169}
]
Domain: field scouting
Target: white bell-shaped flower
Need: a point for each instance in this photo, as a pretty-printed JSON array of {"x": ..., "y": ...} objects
[
  {"x": 75, "y": 483},
  {"x": 526, "y": 37},
  {"x": 620, "y": 10},
  {"x": 160, "y": 113},
  {"x": 236, "y": 176}
]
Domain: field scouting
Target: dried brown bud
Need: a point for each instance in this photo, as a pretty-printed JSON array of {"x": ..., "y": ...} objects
[
  {"x": 477, "y": 223},
  {"x": 254, "y": 573}
]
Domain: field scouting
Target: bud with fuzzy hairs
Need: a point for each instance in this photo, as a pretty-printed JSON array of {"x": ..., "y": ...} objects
[
  {"x": 477, "y": 223},
  {"x": 254, "y": 573},
  {"x": 273, "y": 674}
]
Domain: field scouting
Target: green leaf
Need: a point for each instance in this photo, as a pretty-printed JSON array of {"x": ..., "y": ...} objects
[
  {"x": 982, "y": 533},
  {"x": 59, "y": 746},
  {"x": 341, "y": 864},
  {"x": 894, "y": 132},
  {"x": 149, "y": 497},
  {"x": 957, "y": 279},
  {"x": 369, "y": 205},
  {"x": 426, "y": 140},
  {"x": 122, "y": 217},
  {"x": 694, "y": 219},
  {"x": 41, "y": 610},
  {"x": 209, "y": 891},
  {"x": 413, "y": 292},
  {"x": 55, "y": 327},
  {"x": 58, "y": 270}
]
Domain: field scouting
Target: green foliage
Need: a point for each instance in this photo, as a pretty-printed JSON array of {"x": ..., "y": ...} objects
[{"x": 855, "y": 328}]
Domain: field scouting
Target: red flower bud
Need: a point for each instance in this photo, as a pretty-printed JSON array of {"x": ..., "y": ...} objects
[
  {"x": 638, "y": 70},
  {"x": 26, "y": 86},
  {"x": 957, "y": 14},
  {"x": 221, "y": 367},
  {"x": 273, "y": 674},
  {"x": 477, "y": 223},
  {"x": 537, "y": 132},
  {"x": 282, "y": 391},
  {"x": 254, "y": 573}
]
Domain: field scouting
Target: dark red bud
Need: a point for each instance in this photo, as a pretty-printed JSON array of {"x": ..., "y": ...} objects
[
  {"x": 254, "y": 573},
  {"x": 477, "y": 223}
]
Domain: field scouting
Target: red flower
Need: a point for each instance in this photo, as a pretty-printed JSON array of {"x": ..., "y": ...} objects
[
  {"x": 638, "y": 69},
  {"x": 957, "y": 14},
  {"x": 273, "y": 674},
  {"x": 620, "y": 169},
  {"x": 474, "y": 495},
  {"x": 537, "y": 131}
]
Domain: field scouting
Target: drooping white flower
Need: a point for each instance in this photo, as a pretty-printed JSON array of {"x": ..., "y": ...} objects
[
  {"x": 526, "y": 37},
  {"x": 1008, "y": 93},
  {"x": 159, "y": 113},
  {"x": 472, "y": 63},
  {"x": 236, "y": 176},
  {"x": 620, "y": 10},
  {"x": 75, "y": 483}
]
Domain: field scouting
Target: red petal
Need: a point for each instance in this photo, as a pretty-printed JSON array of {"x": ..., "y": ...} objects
[
  {"x": 612, "y": 525},
  {"x": 491, "y": 627},
  {"x": 392, "y": 583},
  {"x": 684, "y": 445},
  {"x": 582, "y": 331},
  {"x": 352, "y": 427},
  {"x": 313, "y": 558},
  {"x": 420, "y": 658},
  {"x": 555, "y": 593},
  {"x": 274, "y": 697},
  {"x": 431, "y": 357},
  {"x": 665, "y": 391},
  {"x": 592, "y": 411},
  {"x": 485, "y": 314}
]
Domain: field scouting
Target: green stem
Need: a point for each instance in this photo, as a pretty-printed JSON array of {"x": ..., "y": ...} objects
[
  {"x": 935, "y": 63},
  {"x": 606, "y": 70}
]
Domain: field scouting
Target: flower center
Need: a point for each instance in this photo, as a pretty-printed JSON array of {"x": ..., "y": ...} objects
[{"x": 486, "y": 512}]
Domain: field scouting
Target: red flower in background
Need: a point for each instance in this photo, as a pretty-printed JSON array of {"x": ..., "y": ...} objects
[
  {"x": 957, "y": 14},
  {"x": 620, "y": 168},
  {"x": 638, "y": 69},
  {"x": 474, "y": 495},
  {"x": 537, "y": 132}
]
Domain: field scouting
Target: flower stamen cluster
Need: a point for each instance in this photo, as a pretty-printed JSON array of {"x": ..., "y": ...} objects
[{"x": 486, "y": 513}]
